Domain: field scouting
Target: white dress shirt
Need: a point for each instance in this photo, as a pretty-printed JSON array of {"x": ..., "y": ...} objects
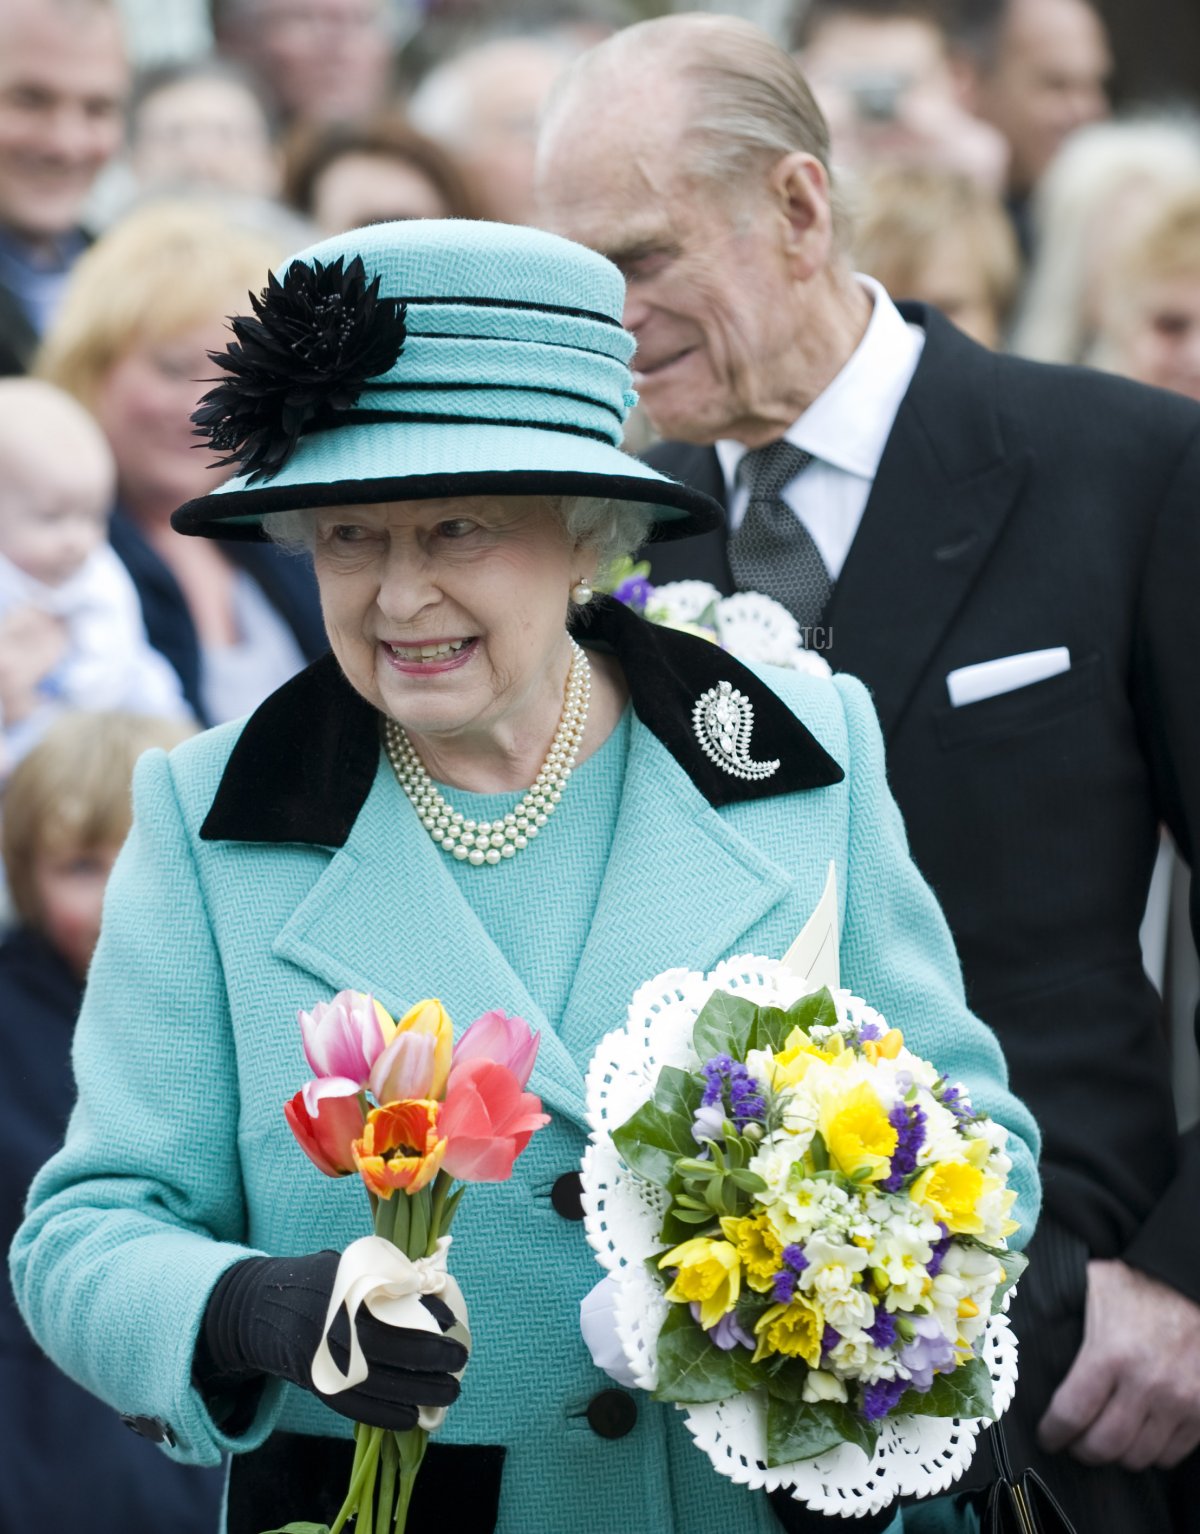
[{"x": 845, "y": 429}]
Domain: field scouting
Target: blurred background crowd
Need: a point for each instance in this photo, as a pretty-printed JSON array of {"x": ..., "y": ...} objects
[{"x": 1031, "y": 167}]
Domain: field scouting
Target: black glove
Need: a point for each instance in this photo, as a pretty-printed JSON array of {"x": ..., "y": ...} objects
[{"x": 266, "y": 1316}]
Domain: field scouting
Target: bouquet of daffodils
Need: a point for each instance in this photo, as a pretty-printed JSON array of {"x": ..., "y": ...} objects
[
  {"x": 806, "y": 1225},
  {"x": 442, "y": 1111},
  {"x": 753, "y": 627}
]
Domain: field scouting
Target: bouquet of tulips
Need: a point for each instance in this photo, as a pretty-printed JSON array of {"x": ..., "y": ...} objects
[{"x": 418, "y": 1116}]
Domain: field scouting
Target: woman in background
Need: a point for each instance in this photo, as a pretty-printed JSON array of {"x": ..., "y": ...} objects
[{"x": 143, "y": 310}]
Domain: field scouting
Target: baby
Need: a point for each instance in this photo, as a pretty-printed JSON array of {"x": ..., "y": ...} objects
[{"x": 71, "y": 630}]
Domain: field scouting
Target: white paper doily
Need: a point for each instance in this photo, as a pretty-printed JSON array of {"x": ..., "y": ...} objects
[{"x": 623, "y": 1215}]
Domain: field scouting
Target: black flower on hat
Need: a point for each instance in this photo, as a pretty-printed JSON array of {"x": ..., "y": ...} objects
[{"x": 307, "y": 352}]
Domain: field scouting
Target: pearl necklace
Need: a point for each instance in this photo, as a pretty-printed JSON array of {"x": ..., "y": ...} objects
[{"x": 488, "y": 842}]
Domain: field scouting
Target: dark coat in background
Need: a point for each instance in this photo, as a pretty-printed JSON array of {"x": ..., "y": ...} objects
[
  {"x": 286, "y": 580},
  {"x": 1019, "y": 507},
  {"x": 69, "y": 1462}
]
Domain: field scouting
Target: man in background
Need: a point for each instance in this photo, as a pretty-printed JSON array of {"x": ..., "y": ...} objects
[
  {"x": 315, "y": 61},
  {"x": 63, "y": 79},
  {"x": 1036, "y": 70},
  {"x": 1008, "y": 556}
]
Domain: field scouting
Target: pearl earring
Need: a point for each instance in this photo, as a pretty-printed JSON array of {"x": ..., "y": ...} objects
[{"x": 581, "y": 593}]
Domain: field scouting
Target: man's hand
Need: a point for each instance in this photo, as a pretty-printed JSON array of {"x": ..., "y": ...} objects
[
  {"x": 1132, "y": 1396},
  {"x": 32, "y": 643}
]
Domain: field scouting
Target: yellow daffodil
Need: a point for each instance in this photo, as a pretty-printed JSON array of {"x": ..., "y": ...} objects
[
  {"x": 795, "y": 1329},
  {"x": 857, "y": 1132},
  {"x": 951, "y": 1191},
  {"x": 709, "y": 1272},
  {"x": 886, "y": 1048},
  {"x": 759, "y": 1249}
]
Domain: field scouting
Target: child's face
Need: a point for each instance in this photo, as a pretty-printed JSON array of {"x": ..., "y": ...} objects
[
  {"x": 53, "y": 513},
  {"x": 68, "y": 885}
]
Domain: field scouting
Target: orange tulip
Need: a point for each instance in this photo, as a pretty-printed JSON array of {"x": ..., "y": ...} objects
[{"x": 400, "y": 1147}]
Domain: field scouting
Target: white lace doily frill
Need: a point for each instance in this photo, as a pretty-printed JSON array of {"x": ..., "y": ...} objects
[{"x": 623, "y": 1213}]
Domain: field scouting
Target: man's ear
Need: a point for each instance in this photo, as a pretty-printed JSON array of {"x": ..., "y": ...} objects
[{"x": 799, "y": 186}]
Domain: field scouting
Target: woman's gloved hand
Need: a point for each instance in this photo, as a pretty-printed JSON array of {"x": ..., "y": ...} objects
[{"x": 266, "y": 1316}]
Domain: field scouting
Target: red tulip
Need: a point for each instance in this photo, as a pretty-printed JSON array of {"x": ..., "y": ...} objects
[
  {"x": 326, "y": 1117},
  {"x": 486, "y": 1121}
]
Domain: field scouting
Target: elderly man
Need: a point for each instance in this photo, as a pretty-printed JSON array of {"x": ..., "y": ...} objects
[
  {"x": 62, "y": 86},
  {"x": 1008, "y": 555}
]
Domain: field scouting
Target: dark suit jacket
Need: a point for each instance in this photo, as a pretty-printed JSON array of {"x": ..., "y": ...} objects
[
  {"x": 69, "y": 1463},
  {"x": 1019, "y": 507},
  {"x": 286, "y": 580},
  {"x": 18, "y": 339}
]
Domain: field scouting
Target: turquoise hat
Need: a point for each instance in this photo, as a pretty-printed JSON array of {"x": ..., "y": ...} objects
[{"x": 427, "y": 359}]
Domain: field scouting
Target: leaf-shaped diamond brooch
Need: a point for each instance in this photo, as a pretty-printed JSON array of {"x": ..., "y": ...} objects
[{"x": 723, "y": 719}]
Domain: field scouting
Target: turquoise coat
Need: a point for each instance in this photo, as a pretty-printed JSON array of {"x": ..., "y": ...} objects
[{"x": 312, "y": 875}]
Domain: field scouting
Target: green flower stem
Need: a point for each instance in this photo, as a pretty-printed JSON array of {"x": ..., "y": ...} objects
[
  {"x": 366, "y": 1460},
  {"x": 411, "y": 1446},
  {"x": 390, "y": 1465},
  {"x": 441, "y": 1186}
]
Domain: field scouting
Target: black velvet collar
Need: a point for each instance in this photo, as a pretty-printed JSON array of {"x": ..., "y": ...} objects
[{"x": 304, "y": 764}]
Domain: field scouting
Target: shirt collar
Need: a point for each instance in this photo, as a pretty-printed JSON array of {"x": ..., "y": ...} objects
[{"x": 849, "y": 422}]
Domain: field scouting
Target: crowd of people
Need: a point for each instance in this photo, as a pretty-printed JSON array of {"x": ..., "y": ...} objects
[{"x": 849, "y": 253}]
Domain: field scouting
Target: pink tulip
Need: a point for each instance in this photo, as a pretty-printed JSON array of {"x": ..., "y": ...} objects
[
  {"x": 326, "y": 1117},
  {"x": 345, "y": 1036},
  {"x": 486, "y": 1121},
  {"x": 406, "y": 1068},
  {"x": 508, "y": 1041}
]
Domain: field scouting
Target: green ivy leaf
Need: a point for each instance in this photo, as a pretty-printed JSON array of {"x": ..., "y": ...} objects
[
  {"x": 803, "y": 1431},
  {"x": 723, "y": 1026},
  {"x": 691, "y": 1369},
  {"x": 659, "y": 1134},
  {"x": 814, "y": 1011},
  {"x": 771, "y": 1029},
  {"x": 967, "y": 1392},
  {"x": 786, "y": 1381}
]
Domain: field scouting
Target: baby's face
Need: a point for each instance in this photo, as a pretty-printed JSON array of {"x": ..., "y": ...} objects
[{"x": 53, "y": 515}]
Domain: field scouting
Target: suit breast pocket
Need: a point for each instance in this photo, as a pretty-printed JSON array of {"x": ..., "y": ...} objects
[{"x": 1036, "y": 706}]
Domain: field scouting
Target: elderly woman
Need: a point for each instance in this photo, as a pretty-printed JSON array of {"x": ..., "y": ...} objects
[{"x": 454, "y": 466}]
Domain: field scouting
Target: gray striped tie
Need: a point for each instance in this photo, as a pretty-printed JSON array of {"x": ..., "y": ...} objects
[{"x": 772, "y": 551}]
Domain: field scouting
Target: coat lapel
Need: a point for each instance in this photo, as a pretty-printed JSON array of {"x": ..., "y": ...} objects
[
  {"x": 668, "y": 838},
  {"x": 386, "y": 915},
  {"x": 943, "y": 492}
]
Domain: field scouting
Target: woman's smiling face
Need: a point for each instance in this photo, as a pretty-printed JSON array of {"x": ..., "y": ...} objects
[{"x": 450, "y": 615}]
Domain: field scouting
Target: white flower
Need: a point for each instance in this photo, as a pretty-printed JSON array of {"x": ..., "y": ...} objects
[{"x": 822, "y": 1386}]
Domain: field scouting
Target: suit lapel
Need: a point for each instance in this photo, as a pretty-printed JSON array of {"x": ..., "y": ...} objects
[
  {"x": 668, "y": 838},
  {"x": 944, "y": 489},
  {"x": 704, "y": 557},
  {"x": 386, "y": 914}
]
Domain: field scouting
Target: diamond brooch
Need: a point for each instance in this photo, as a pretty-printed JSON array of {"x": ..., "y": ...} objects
[{"x": 723, "y": 719}]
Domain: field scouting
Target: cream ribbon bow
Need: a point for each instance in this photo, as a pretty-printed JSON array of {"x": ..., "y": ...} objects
[{"x": 376, "y": 1274}]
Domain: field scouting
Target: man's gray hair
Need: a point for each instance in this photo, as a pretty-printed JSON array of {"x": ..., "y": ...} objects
[
  {"x": 612, "y": 529},
  {"x": 748, "y": 105}
]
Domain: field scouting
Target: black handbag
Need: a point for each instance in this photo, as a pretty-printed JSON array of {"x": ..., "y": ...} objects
[{"x": 1020, "y": 1504}]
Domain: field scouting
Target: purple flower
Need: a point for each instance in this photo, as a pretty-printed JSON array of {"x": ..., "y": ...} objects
[
  {"x": 930, "y": 1352},
  {"x": 635, "y": 592},
  {"x": 830, "y": 1338},
  {"x": 869, "y": 1030},
  {"x": 959, "y": 1104},
  {"x": 934, "y": 1266},
  {"x": 729, "y": 1084},
  {"x": 882, "y": 1330},
  {"x": 909, "y": 1123},
  {"x": 794, "y": 1257},
  {"x": 728, "y": 1332},
  {"x": 880, "y": 1397},
  {"x": 783, "y": 1287}
]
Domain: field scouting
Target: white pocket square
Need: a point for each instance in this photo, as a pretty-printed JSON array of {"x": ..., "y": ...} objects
[{"x": 989, "y": 678}]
